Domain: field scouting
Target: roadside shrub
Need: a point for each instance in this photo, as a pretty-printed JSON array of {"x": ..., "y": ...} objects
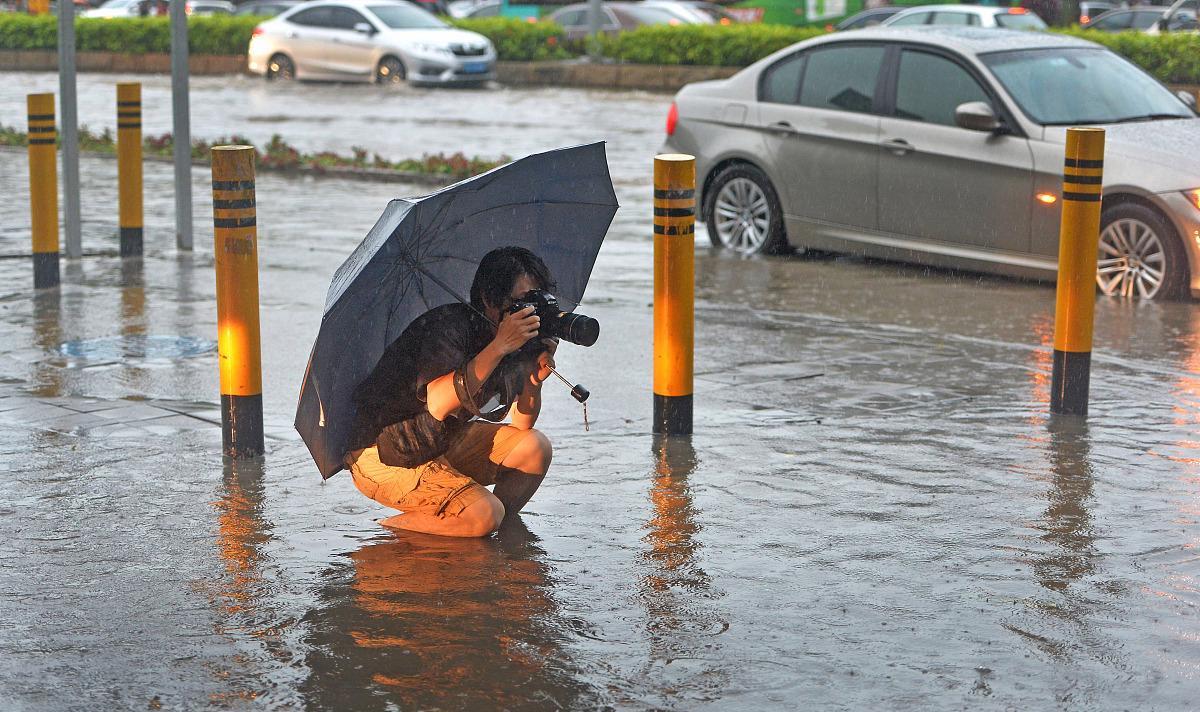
[
  {"x": 134, "y": 35},
  {"x": 518, "y": 40},
  {"x": 1173, "y": 57},
  {"x": 708, "y": 45}
]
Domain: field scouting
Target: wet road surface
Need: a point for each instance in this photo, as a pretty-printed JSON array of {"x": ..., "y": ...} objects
[{"x": 875, "y": 511}]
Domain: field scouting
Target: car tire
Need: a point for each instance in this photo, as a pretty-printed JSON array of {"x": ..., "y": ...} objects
[
  {"x": 742, "y": 212},
  {"x": 281, "y": 66},
  {"x": 390, "y": 70},
  {"x": 1140, "y": 255}
]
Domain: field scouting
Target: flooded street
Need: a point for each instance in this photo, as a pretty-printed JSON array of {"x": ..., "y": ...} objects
[{"x": 876, "y": 510}]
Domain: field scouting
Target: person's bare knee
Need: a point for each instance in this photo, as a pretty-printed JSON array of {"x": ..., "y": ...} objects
[
  {"x": 532, "y": 455},
  {"x": 481, "y": 517}
]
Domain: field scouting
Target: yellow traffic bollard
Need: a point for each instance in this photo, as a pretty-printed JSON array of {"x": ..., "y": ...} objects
[
  {"x": 129, "y": 167},
  {"x": 1079, "y": 243},
  {"x": 43, "y": 189},
  {"x": 236, "y": 251},
  {"x": 674, "y": 269}
]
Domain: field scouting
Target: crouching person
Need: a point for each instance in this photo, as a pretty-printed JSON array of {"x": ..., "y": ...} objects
[{"x": 429, "y": 436}]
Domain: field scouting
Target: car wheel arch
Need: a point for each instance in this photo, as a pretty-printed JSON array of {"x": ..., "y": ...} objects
[
  {"x": 719, "y": 166},
  {"x": 1120, "y": 197}
]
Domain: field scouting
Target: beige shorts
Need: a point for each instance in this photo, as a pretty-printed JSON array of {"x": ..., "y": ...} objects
[{"x": 442, "y": 487}]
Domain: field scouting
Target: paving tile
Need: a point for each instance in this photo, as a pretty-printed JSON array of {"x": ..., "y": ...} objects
[
  {"x": 32, "y": 412},
  {"x": 73, "y": 422},
  {"x": 135, "y": 412}
]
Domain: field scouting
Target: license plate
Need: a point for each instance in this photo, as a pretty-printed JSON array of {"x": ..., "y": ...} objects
[{"x": 475, "y": 67}]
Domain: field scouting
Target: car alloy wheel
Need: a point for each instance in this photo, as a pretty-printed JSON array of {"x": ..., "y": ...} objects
[
  {"x": 280, "y": 66},
  {"x": 1133, "y": 260},
  {"x": 390, "y": 71},
  {"x": 742, "y": 216}
]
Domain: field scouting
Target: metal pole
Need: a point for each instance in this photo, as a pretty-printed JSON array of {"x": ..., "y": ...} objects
[
  {"x": 43, "y": 190},
  {"x": 238, "y": 342},
  {"x": 595, "y": 12},
  {"x": 129, "y": 167},
  {"x": 70, "y": 129},
  {"x": 182, "y": 122},
  {"x": 1079, "y": 243},
  {"x": 674, "y": 291}
]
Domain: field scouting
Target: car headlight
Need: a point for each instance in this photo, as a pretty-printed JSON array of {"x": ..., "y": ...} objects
[{"x": 1193, "y": 197}]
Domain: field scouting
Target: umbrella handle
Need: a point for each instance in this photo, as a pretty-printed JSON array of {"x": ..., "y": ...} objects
[{"x": 578, "y": 392}]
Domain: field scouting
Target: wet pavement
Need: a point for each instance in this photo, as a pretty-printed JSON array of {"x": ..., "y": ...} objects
[{"x": 875, "y": 511}]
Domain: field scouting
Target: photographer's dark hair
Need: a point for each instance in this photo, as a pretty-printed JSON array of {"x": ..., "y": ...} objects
[{"x": 500, "y": 268}]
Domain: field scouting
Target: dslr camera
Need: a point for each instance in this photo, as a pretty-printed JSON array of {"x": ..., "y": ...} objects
[{"x": 556, "y": 323}]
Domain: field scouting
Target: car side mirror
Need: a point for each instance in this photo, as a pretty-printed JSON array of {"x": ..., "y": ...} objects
[
  {"x": 364, "y": 28},
  {"x": 1188, "y": 98},
  {"x": 977, "y": 116}
]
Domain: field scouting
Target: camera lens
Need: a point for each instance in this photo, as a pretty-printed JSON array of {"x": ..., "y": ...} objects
[{"x": 579, "y": 329}]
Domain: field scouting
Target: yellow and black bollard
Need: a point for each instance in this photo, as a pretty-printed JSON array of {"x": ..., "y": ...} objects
[
  {"x": 43, "y": 189},
  {"x": 236, "y": 251},
  {"x": 1079, "y": 243},
  {"x": 674, "y": 269},
  {"x": 129, "y": 167}
]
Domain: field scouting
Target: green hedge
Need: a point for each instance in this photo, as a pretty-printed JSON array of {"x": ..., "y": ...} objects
[
  {"x": 518, "y": 40},
  {"x": 1173, "y": 57},
  {"x": 708, "y": 45},
  {"x": 206, "y": 35}
]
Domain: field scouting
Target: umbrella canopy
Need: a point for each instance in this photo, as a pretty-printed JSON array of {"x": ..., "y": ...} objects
[{"x": 423, "y": 253}]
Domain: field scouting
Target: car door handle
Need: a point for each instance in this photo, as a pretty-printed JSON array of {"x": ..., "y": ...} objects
[
  {"x": 783, "y": 127},
  {"x": 897, "y": 146}
]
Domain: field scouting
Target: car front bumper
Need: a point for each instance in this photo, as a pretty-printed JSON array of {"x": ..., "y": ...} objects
[
  {"x": 1186, "y": 218},
  {"x": 444, "y": 69}
]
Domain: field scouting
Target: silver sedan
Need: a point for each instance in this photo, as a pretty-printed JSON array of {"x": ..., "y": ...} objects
[
  {"x": 944, "y": 146},
  {"x": 385, "y": 41}
]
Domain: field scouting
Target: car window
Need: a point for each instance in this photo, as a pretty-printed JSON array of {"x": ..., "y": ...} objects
[
  {"x": 1113, "y": 22},
  {"x": 569, "y": 18},
  {"x": 1144, "y": 20},
  {"x": 345, "y": 19},
  {"x": 313, "y": 17},
  {"x": 1183, "y": 21},
  {"x": 781, "y": 82},
  {"x": 952, "y": 18},
  {"x": 405, "y": 16},
  {"x": 491, "y": 10},
  {"x": 1019, "y": 19},
  {"x": 917, "y": 18},
  {"x": 842, "y": 78},
  {"x": 651, "y": 15},
  {"x": 929, "y": 88}
]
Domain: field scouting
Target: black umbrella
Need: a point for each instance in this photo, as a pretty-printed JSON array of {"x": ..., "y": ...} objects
[{"x": 423, "y": 252}]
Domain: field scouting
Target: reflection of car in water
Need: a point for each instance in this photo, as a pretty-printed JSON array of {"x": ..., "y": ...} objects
[
  {"x": 944, "y": 146},
  {"x": 386, "y": 41}
]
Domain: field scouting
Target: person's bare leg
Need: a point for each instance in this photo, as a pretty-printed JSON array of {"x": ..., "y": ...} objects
[
  {"x": 522, "y": 471},
  {"x": 480, "y": 518}
]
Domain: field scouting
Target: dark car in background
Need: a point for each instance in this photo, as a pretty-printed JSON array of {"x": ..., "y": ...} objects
[
  {"x": 265, "y": 8},
  {"x": 617, "y": 17},
  {"x": 1145, "y": 19}
]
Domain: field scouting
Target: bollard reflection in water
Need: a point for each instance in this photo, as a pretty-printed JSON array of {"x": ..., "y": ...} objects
[
  {"x": 421, "y": 622},
  {"x": 1067, "y": 523},
  {"x": 47, "y": 335}
]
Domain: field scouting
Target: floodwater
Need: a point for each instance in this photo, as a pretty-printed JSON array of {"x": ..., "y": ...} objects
[{"x": 876, "y": 510}]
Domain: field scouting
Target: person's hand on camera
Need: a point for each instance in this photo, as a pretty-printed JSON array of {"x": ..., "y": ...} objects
[{"x": 515, "y": 329}]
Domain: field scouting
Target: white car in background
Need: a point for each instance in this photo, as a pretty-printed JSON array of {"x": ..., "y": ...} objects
[
  {"x": 384, "y": 41},
  {"x": 1010, "y": 18}
]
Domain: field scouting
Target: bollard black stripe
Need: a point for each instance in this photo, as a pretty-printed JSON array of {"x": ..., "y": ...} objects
[
  {"x": 673, "y": 414},
  {"x": 41, "y": 117},
  {"x": 129, "y": 104},
  {"x": 131, "y": 241},
  {"x": 129, "y": 126},
  {"x": 674, "y": 229},
  {"x": 233, "y": 185},
  {"x": 129, "y": 114},
  {"x": 1082, "y": 197},
  {"x": 1069, "y": 381},
  {"x": 242, "y": 426},
  {"x": 1083, "y": 163},
  {"x": 1083, "y": 180},
  {"x": 685, "y": 194},
  {"x": 45, "y": 270},
  {"x": 41, "y": 129},
  {"x": 674, "y": 212},
  {"x": 42, "y": 141},
  {"x": 235, "y": 222},
  {"x": 233, "y": 204}
]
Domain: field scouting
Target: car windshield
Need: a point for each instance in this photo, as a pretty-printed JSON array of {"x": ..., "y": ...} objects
[
  {"x": 651, "y": 15},
  {"x": 1066, "y": 86},
  {"x": 403, "y": 16},
  {"x": 1019, "y": 21}
]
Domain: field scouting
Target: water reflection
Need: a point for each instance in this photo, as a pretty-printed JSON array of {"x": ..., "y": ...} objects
[
  {"x": 1067, "y": 522},
  {"x": 47, "y": 335},
  {"x": 242, "y": 530},
  {"x": 420, "y": 622}
]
